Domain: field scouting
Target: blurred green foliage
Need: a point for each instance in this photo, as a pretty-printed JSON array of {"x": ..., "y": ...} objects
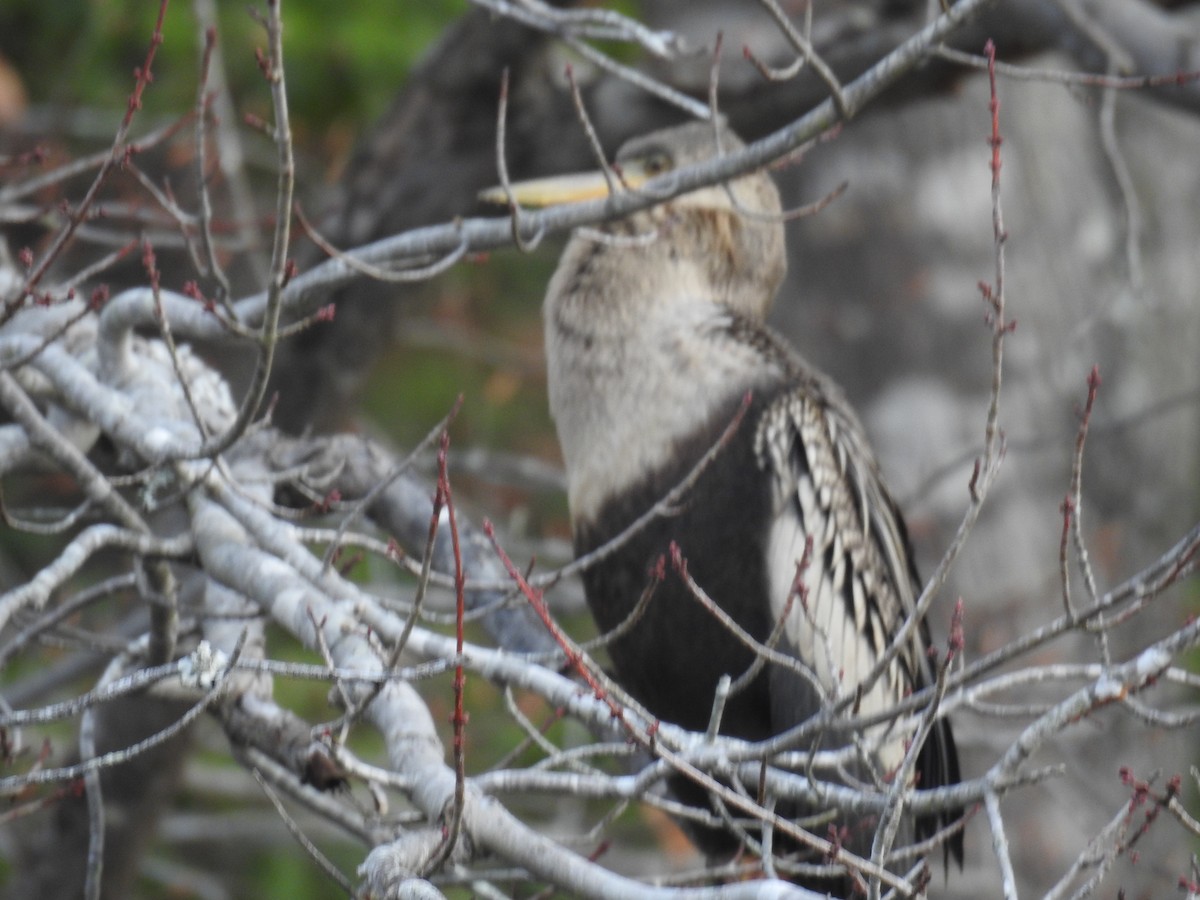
[{"x": 347, "y": 59}]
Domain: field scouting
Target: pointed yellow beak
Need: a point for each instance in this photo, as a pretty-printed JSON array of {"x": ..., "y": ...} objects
[{"x": 559, "y": 189}]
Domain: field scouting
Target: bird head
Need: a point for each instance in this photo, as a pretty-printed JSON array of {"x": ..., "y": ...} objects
[{"x": 726, "y": 238}]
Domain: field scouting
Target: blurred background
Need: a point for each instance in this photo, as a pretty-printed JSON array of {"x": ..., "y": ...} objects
[{"x": 393, "y": 111}]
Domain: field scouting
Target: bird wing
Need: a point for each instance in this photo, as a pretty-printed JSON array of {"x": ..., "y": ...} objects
[{"x": 833, "y": 511}]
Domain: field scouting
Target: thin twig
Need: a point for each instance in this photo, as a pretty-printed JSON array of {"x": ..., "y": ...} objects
[
  {"x": 1081, "y": 552},
  {"x": 324, "y": 863},
  {"x": 525, "y": 245},
  {"x": 362, "y": 504},
  {"x": 459, "y": 718},
  {"x": 807, "y": 53},
  {"x": 611, "y": 178},
  {"x": 1059, "y": 76},
  {"x": 213, "y": 267},
  {"x": 378, "y": 273},
  {"x": 142, "y": 78},
  {"x": 281, "y": 266},
  {"x": 1008, "y": 878}
]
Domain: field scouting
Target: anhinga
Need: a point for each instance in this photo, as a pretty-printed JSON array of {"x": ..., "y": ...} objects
[{"x": 655, "y": 335}]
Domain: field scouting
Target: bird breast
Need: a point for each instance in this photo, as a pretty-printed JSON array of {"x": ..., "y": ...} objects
[{"x": 622, "y": 399}]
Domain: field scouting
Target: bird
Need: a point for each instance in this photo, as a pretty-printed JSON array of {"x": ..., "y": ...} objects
[{"x": 664, "y": 377}]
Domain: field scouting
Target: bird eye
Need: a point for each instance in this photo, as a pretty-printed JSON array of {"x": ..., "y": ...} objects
[{"x": 655, "y": 164}]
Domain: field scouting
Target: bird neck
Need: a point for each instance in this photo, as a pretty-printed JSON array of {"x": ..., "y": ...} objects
[{"x": 642, "y": 352}]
